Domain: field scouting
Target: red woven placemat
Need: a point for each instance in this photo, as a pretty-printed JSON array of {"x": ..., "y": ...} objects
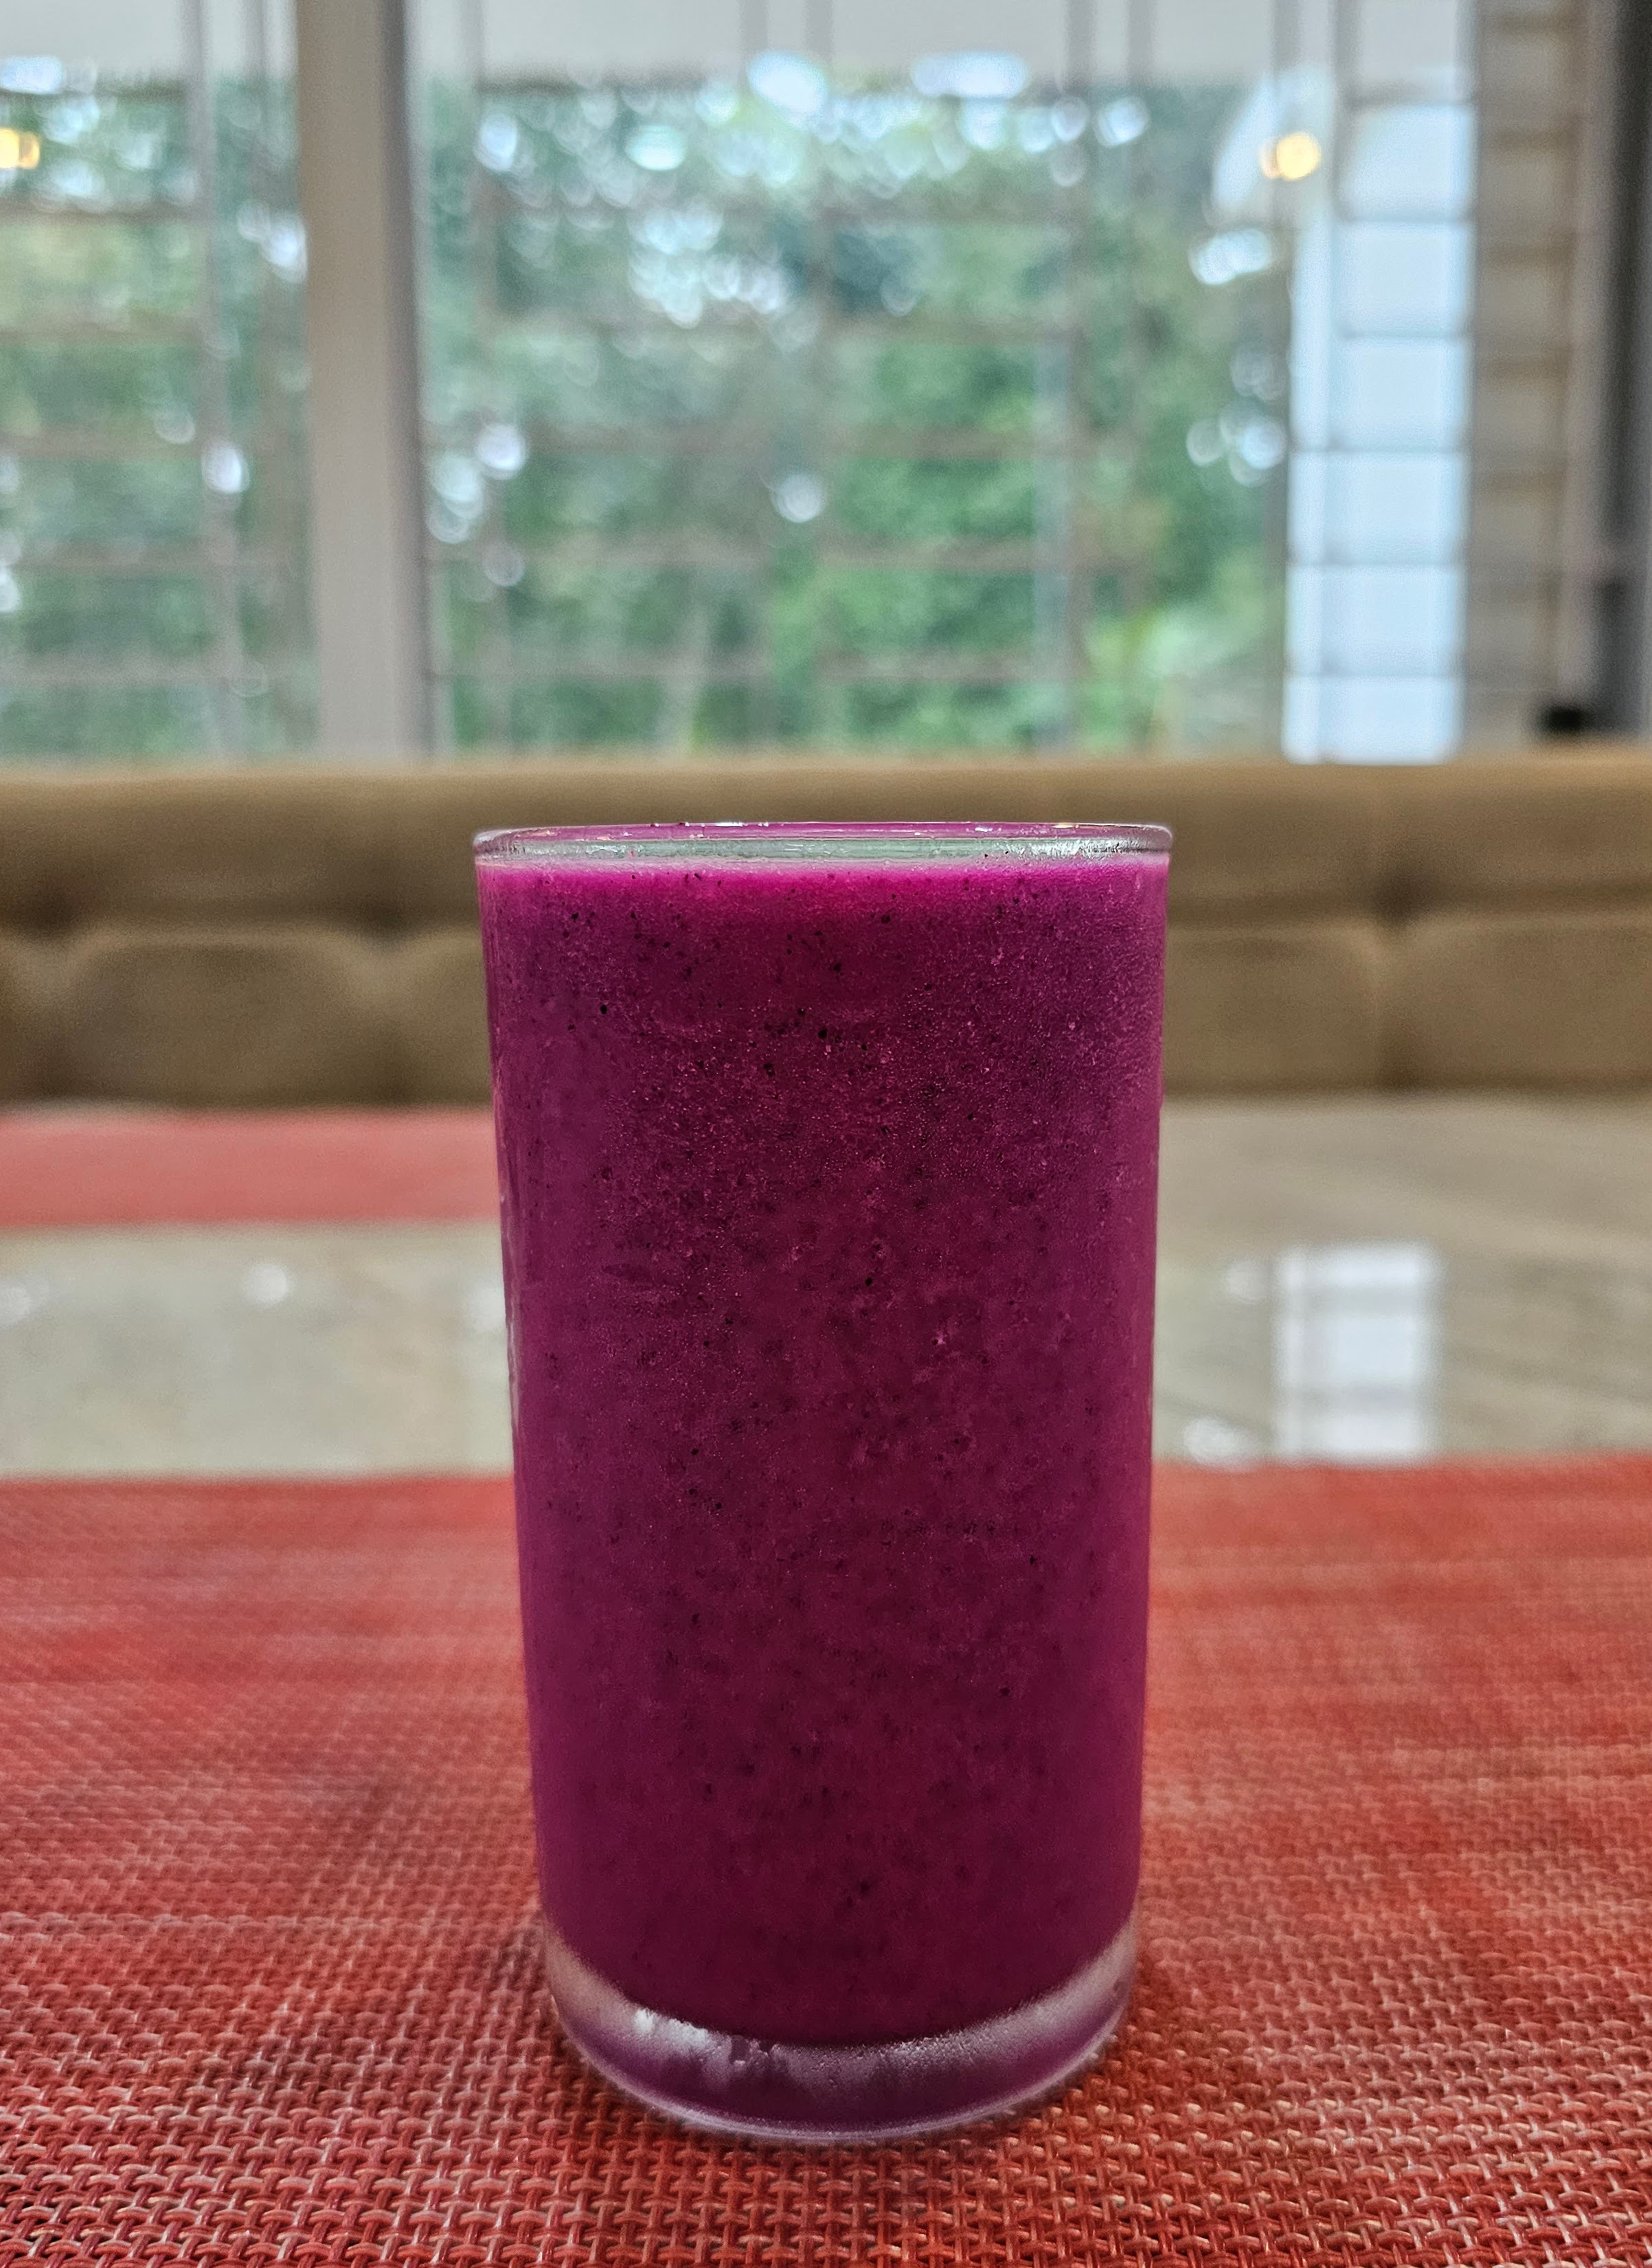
[
  {"x": 270, "y": 1994},
  {"x": 70, "y": 1167}
]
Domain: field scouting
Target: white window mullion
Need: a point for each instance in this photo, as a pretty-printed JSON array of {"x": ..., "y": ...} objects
[{"x": 366, "y": 480}]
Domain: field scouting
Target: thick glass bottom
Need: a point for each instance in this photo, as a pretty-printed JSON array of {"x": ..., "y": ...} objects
[{"x": 786, "y": 2092}]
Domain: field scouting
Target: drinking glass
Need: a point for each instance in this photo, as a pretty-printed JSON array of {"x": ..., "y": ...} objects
[{"x": 828, "y": 1159}]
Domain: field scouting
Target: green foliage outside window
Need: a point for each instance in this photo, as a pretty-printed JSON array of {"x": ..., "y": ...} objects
[
  {"x": 153, "y": 582},
  {"x": 827, "y": 415},
  {"x": 858, "y": 418}
]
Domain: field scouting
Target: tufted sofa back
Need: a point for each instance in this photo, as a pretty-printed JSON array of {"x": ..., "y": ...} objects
[{"x": 309, "y": 935}]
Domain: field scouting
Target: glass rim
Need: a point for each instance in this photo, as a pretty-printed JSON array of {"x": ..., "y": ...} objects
[{"x": 789, "y": 842}]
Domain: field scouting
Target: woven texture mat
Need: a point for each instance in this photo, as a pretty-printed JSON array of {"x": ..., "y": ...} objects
[
  {"x": 68, "y": 1167},
  {"x": 271, "y": 1992}
]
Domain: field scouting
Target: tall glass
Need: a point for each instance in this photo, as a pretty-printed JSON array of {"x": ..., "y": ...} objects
[{"x": 828, "y": 1157}]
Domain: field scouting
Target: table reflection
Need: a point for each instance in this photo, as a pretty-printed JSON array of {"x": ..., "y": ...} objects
[{"x": 368, "y": 1349}]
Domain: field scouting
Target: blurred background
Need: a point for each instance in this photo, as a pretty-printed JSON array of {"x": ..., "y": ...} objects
[
  {"x": 418, "y": 415},
  {"x": 1157, "y": 377}
]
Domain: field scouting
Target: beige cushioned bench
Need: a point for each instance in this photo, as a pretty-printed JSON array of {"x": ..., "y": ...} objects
[{"x": 309, "y": 935}]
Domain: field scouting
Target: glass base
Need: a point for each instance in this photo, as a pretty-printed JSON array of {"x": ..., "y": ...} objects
[{"x": 783, "y": 2093}]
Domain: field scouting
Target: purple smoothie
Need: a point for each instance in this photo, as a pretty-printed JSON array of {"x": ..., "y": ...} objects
[{"x": 828, "y": 1176}]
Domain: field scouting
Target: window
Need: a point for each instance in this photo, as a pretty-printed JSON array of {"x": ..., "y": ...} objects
[
  {"x": 1382, "y": 259},
  {"x": 1128, "y": 375},
  {"x": 151, "y": 386},
  {"x": 922, "y": 406}
]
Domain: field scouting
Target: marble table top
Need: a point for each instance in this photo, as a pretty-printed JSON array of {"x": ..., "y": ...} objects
[{"x": 1363, "y": 1281}]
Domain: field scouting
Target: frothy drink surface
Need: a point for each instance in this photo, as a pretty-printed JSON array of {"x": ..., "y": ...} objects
[{"x": 828, "y": 1194}]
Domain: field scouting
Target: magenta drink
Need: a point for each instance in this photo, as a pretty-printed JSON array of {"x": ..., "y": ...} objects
[{"x": 827, "y": 1157}]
